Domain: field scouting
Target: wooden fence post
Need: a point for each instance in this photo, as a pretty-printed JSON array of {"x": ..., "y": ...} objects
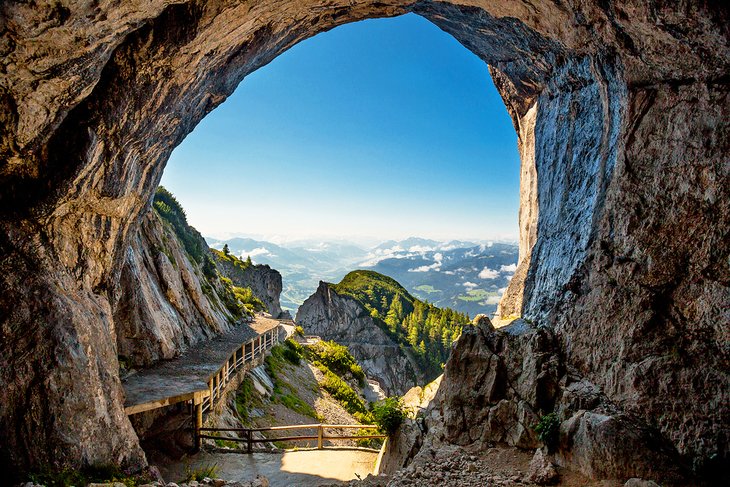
[
  {"x": 320, "y": 433},
  {"x": 198, "y": 408},
  {"x": 249, "y": 433}
]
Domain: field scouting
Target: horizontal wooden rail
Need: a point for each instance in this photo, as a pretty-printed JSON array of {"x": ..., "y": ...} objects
[{"x": 249, "y": 440}]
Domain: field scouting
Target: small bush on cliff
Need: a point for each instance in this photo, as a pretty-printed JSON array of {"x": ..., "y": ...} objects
[
  {"x": 336, "y": 358},
  {"x": 246, "y": 297},
  {"x": 548, "y": 430},
  {"x": 292, "y": 351},
  {"x": 170, "y": 210},
  {"x": 389, "y": 414}
]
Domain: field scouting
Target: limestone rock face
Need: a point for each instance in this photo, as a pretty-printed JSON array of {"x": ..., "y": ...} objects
[
  {"x": 162, "y": 307},
  {"x": 518, "y": 377},
  {"x": 344, "y": 320},
  {"x": 621, "y": 109},
  {"x": 264, "y": 281},
  {"x": 496, "y": 384}
]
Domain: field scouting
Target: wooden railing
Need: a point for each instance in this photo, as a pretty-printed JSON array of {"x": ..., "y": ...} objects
[
  {"x": 205, "y": 401},
  {"x": 320, "y": 437},
  {"x": 247, "y": 353}
]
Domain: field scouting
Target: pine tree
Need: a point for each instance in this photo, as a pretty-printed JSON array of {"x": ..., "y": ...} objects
[
  {"x": 248, "y": 261},
  {"x": 226, "y": 251}
]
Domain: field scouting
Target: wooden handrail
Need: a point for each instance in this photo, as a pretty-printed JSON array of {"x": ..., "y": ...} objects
[
  {"x": 218, "y": 381},
  {"x": 249, "y": 440}
]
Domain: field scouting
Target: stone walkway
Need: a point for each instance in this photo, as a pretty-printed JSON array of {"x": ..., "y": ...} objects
[
  {"x": 178, "y": 379},
  {"x": 303, "y": 468}
]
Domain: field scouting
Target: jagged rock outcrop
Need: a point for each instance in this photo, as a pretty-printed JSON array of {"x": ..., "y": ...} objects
[
  {"x": 346, "y": 321},
  {"x": 166, "y": 303},
  {"x": 516, "y": 377},
  {"x": 264, "y": 281},
  {"x": 621, "y": 109}
]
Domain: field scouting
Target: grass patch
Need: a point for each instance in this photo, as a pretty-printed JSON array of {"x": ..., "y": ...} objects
[
  {"x": 200, "y": 473},
  {"x": 226, "y": 444},
  {"x": 426, "y": 288},
  {"x": 283, "y": 356},
  {"x": 336, "y": 358},
  {"x": 343, "y": 393}
]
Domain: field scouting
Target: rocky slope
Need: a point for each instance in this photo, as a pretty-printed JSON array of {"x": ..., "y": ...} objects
[
  {"x": 500, "y": 384},
  {"x": 346, "y": 321},
  {"x": 264, "y": 281},
  {"x": 622, "y": 114},
  {"x": 166, "y": 302}
]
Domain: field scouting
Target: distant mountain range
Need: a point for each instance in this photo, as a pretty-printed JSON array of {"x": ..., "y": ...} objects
[{"x": 469, "y": 277}]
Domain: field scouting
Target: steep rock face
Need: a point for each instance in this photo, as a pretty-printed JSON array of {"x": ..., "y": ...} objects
[
  {"x": 624, "y": 205},
  {"x": 264, "y": 281},
  {"x": 498, "y": 385},
  {"x": 344, "y": 320},
  {"x": 165, "y": 301}
]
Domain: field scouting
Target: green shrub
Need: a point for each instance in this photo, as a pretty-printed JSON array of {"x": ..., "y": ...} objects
[
  {"x": 337, "y": 358},
  {"x": 548, "y": 430},
  {"x": 246, "y": 297},
  {"x": 299, "y": 331},
  {"x": 389, "y": 414},
  {"x": 170, "y": 210},
  {"x": 343, "y": 393}
]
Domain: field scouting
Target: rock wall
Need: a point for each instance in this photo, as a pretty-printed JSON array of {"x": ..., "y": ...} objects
[
  {"x": 264, "y": 281},
  {"x": 165, "y": 301},
  {"x": 344, "y": 320},
  {"x": 499, "y": 384},
  {"x": 624, "y": 200}
]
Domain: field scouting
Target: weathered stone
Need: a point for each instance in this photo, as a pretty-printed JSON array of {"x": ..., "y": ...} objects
[
  {"x": 162, "y": 308},
  {"x": 616, "y": 446},
  {"x": 542, "y": 471},
  {"x": 496, "y": 383},
  {"x": 264, "y": 281}
]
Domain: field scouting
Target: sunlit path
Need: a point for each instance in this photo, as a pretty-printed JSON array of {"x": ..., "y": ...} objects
[{"x": 295, "y": 468}]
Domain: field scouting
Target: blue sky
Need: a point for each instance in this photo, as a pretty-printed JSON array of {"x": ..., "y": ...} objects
[{"x": 384, "y": 128}]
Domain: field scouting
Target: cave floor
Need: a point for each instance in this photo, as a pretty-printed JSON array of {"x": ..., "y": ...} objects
[
  {"x": 174, "y": 380},
  {"x": 290, "y": 468}
]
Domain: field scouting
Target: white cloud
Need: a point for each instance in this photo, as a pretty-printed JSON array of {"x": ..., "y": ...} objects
[
  {"x": 501, "y": 290},
  {"x": 436, "y": 266},
  {"x": 449, "y": 273},
  {"x": 420, "y": 249},
  {"x": 425, "y": 268},
  {"x": 492, "y": 300},
  {"x": 255, "y": 252},
  {"x": 488, "y": 273},
  {"x": 470, "y": 285},
  {"x": 508, "y": 268}
]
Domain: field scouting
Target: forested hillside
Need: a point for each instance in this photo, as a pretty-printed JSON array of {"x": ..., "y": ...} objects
[{"x": 418, "y": 325}]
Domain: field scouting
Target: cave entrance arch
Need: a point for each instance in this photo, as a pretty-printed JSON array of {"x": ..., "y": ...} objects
[
  {"x": 408, "y": 136},
  {"x": 96, "y": 97}
]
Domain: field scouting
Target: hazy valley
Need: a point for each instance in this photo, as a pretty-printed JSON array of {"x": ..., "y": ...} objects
[{"x": 468, "y": 277}]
